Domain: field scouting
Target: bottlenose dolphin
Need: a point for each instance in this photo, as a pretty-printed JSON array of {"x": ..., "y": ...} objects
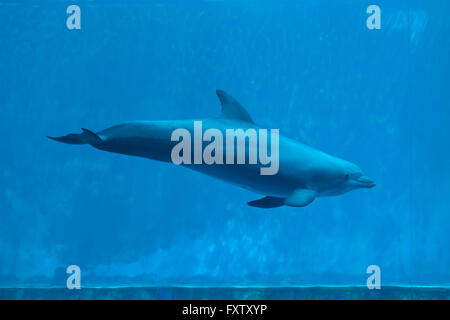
[{"x": 304, "y": 173}]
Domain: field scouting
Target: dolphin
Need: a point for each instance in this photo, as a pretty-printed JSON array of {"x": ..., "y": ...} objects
[{"x": 304, "y": 173}]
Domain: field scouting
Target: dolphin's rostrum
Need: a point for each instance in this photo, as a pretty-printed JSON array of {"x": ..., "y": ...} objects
[{"x": 304, "y": 173}]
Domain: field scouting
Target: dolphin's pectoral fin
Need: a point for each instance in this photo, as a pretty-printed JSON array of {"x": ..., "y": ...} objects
[
  {"x": 267, "y": 202},
  {"x": 86, "y": 137},
  {"x": 231, "y": 108},
  {"x": 300, "y": 198}
]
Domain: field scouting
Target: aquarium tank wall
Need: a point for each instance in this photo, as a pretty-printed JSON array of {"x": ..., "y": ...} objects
[{"x": 377, "y": 97}]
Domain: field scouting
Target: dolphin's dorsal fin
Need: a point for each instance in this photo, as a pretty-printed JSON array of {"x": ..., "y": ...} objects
[{"x": 231, "y": 108}]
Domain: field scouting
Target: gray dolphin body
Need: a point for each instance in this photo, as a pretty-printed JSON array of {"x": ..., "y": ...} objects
[{"x": 304, "y": 172}]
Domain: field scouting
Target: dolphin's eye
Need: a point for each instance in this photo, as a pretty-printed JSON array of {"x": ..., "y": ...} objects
[{"x": 347, "y": 176}]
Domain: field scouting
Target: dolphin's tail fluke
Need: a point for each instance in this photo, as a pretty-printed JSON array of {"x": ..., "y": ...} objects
[{"x": 86, "y": 137}]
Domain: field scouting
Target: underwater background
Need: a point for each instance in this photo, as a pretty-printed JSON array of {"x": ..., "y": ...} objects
[{"x": 378, "y": 98}]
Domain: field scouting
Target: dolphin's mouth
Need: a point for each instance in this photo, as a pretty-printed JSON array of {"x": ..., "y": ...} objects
[{"x": 364, "y": 182}]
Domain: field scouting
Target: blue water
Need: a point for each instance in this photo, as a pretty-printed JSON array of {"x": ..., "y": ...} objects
[{"x": 378, "y": 98}]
